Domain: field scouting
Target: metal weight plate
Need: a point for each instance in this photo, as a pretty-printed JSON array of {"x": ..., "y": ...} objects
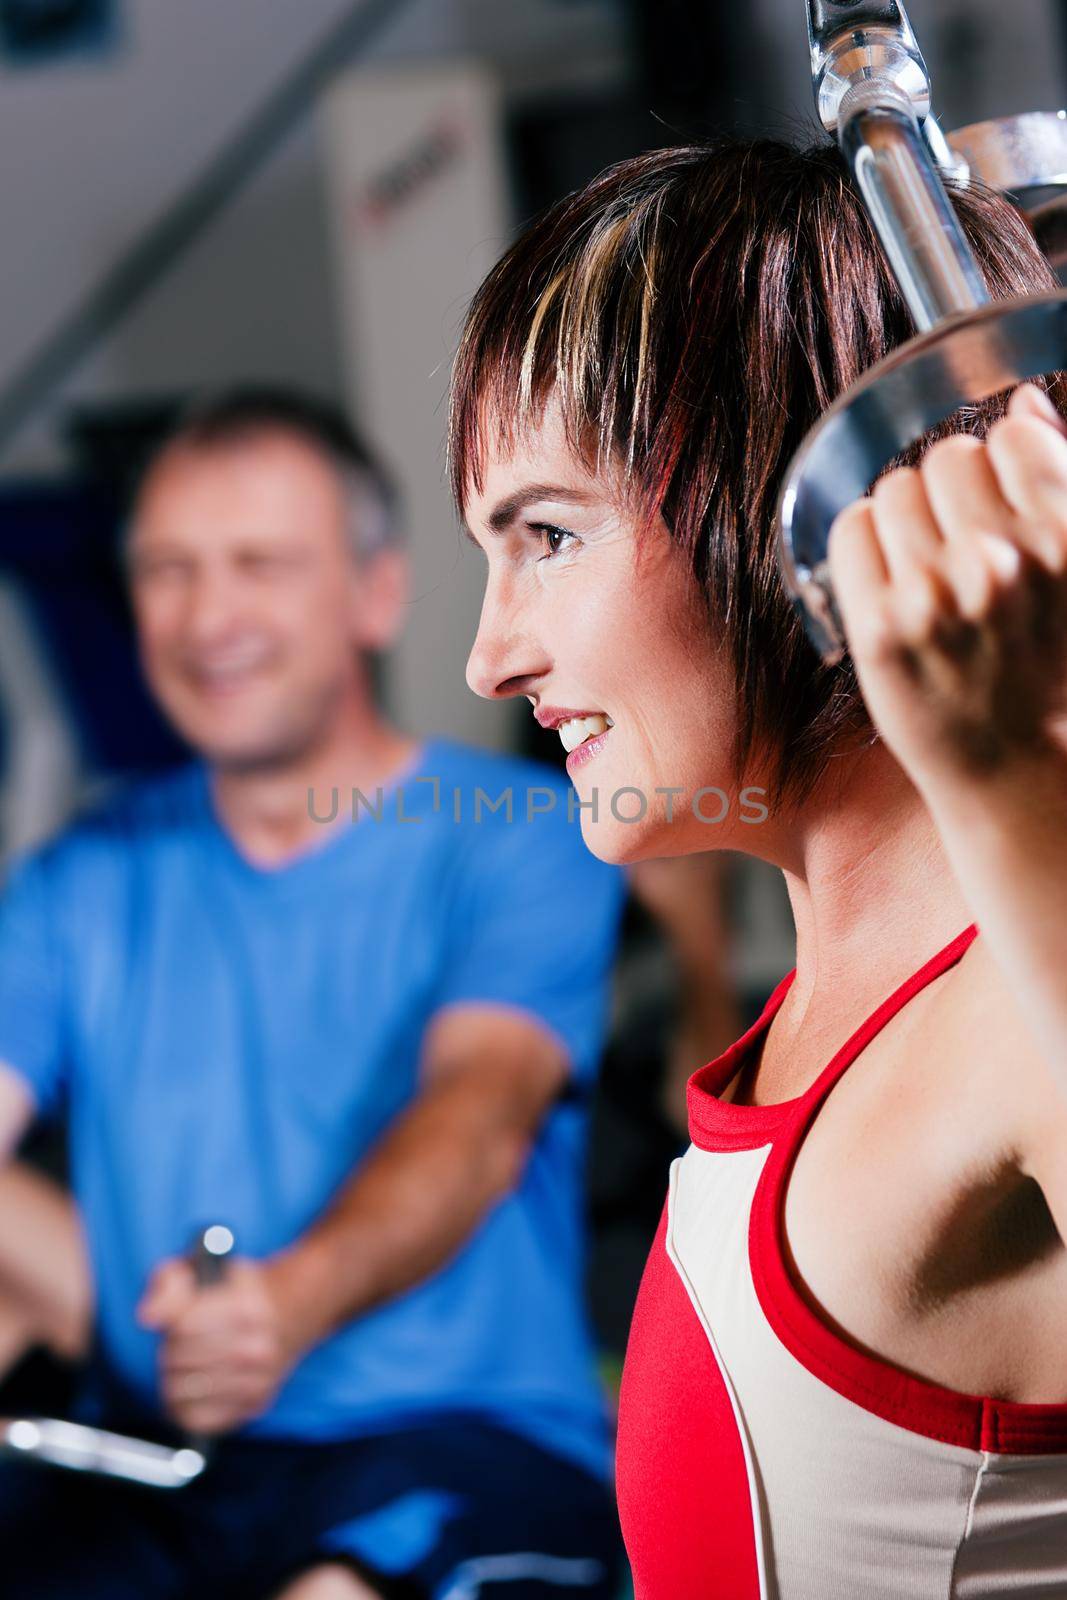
[
  {"x": 964, "y": 360},
  {"x": 1049, "y": 222},
  {"x": 1016, "y": 153},
  {"x": 1023, "y": 156}
]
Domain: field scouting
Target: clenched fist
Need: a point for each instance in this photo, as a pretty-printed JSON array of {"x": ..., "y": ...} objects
[{"x": 951, "y": 580}]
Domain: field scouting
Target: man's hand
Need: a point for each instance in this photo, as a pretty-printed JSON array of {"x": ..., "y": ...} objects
[
  {"x": 490, "y": 1073},
  {"x": 685, "y": 896},
  {"x": 952, "y": 585},
  {"x": 226, "y": 1349}
]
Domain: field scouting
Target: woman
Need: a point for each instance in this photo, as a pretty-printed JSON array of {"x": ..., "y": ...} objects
[{"x": 846, "y": 1373}]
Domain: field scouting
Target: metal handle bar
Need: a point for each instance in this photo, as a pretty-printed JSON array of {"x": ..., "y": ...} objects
[{"x": 209, "y": 1255}]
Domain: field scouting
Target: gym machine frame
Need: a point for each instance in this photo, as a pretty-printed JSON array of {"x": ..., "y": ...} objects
[{"x": 872, "y": 91}]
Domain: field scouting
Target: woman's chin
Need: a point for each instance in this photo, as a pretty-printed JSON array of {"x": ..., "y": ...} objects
[{"x": 621, "y": 843}]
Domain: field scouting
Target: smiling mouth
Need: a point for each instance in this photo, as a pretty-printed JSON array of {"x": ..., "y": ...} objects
[
  {"x": 577, "y": 730},
  {"x": 225, "y": 680}
]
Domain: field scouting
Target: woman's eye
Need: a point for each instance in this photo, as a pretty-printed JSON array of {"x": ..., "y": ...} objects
[{"x": 554, "y": 538}]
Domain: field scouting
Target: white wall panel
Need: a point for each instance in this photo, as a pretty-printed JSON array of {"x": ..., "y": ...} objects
[{"x": 419, "y": 215}]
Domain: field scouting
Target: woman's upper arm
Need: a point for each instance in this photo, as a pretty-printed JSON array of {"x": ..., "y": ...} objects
[{"x": 1024, "y": 1113}]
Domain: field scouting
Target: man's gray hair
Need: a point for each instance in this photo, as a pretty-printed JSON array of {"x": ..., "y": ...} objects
[
  {"x": 374, "y": 518},
  {"x": 372, "y": 523}
]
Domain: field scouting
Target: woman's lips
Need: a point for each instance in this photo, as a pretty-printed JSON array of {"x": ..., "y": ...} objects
[{"x": 587, "y": 750}]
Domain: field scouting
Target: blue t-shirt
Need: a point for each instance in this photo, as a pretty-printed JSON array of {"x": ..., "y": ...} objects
[{"x": 229, "y": 1041}]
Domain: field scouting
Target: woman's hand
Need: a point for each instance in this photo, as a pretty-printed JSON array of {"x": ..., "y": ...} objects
[{"x": 951, "y": 580}]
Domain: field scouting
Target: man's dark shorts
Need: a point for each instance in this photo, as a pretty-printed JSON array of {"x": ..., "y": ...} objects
[{"x": 455, "y": 1509}]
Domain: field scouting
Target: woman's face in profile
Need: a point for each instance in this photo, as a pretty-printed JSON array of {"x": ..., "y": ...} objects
[{"x": 588, "y": 626}]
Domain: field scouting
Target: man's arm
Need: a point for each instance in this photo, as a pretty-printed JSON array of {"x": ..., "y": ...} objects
[
  {"x": 488, "y": 1076},
  {"x": 16, "y": 1110},
  {"x": 46, "y": 1291},
  {"x": 511, "y": 1024}
]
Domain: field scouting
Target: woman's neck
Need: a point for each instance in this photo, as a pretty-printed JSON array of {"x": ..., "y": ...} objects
[{"x": 872, "y": 893}]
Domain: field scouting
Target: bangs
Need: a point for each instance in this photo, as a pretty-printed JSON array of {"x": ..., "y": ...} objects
[{"x": 569, "y": 313}]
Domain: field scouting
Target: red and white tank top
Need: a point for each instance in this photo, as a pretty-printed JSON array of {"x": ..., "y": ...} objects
[{"x": 762, "y": 1456}]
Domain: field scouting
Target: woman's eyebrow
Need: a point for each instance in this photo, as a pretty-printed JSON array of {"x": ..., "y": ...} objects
[{"x": 504, "y": 514}]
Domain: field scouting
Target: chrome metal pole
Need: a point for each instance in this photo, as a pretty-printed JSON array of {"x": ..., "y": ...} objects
[
  {"x": 906, "y": 200},
  {"x": 872, "y": 90}
]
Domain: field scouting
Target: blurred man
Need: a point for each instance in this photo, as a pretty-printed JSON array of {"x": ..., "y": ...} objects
[{"x": 363, "y": 1045}]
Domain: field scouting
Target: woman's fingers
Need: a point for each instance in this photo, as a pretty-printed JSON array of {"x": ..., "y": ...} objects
[
  {"x": 860, "y": 577},
  {"x": 906, "y": 527},
  {"x": 1028, "y": 457},
  {"x": 965, "y": 500},
  {"x": 962, "y": 489}
]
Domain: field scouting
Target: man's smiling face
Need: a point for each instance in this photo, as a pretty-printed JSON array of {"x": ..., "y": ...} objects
[{"x": 245, "y": 593}]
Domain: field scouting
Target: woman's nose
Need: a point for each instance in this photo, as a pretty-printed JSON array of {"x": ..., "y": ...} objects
[{"x": 504, "y": 659}]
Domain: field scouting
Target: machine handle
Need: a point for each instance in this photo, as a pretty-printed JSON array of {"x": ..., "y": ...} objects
[
  {"x": 209, "y": 1254},
  {"x": 860, "y": 45},
  {"x": 75, "y": 1448}
]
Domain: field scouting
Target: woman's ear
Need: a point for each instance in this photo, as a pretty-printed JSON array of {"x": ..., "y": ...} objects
[{"x": 381, "y": 587}]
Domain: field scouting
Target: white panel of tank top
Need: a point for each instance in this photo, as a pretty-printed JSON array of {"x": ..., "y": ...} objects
[
  {"x": 1016, "y": 1543},
  {"x": 695, "y": 1301},
  {"x": 850, "y": 1505}
]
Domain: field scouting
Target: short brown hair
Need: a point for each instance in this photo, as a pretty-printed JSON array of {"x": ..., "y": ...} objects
[{"x": 695, "y": 310}]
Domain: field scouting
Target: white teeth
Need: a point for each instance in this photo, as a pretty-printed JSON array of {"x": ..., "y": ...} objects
[
  {"x": 578, "y": 729},
  {"x": 224, "y": 675},
  {"x": 235, "y": 667}
]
